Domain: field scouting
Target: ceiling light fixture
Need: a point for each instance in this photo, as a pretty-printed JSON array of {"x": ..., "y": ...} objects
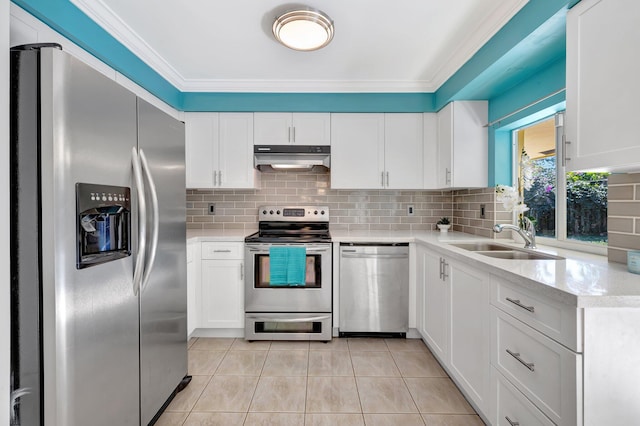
[{"x": 303, "y": 29}]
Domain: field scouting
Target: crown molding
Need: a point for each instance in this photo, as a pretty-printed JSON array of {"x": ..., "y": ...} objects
[
  {"x": 474, "y": 42},
  {"x": 307, "y": 86},
  {"x": 106, "y": 18}
]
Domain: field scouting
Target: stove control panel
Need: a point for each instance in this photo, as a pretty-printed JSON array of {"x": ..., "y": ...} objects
[{"x": 293, "y": 214}]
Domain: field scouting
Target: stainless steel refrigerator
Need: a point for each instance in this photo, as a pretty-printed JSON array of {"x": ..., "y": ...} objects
[{"x": 98, "y": 247}]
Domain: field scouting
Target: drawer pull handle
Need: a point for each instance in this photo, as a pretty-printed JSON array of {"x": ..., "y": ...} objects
[
  {"x": 511, "y": 422},
  {"x": 516, "y": 355},
  {"x": 222, "y": 251},
  {"x": 518, "y": 303}
]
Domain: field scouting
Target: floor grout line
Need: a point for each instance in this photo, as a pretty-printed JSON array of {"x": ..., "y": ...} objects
[{"x": 391, "y": 349}]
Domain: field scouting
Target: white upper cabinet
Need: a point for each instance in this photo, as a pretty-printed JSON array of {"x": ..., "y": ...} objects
[
  {"x": 201, "y": 139},
  {"x": 603, "y": 66},
  {"x": 462, "y": 150},
  {"x": 377, "y": 151},
  {"x": 219, "y": 150},
  {"x": 357, "y": 151},
  {"x": 430, "y": 148},
  {"x": 286, "y": 128},
  {"x": 403, "y": 148}
]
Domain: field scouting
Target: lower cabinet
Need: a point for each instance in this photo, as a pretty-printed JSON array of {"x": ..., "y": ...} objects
[
  {"x": 432, "y": 310},
  {"x": 220, "y": 292},
  {"x": 453, "y": 319},
  {"x": 511, "y": 406},
  {"x": 537, "y": 369},
  {"x": 469, "y": 349},
  {"x": 522, "y": 356}
]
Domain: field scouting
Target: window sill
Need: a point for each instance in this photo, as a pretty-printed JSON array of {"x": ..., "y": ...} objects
[{"x": 573, "y": 245}]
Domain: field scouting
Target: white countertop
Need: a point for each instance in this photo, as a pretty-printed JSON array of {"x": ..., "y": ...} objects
[{"x": 581, "y": 279}]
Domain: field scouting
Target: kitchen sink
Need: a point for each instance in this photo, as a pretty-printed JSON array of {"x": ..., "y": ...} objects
[
  {"x": 500, "y": 251},
  {"x": 520, "y": 255},
  {"x": 482, "y": 246}
]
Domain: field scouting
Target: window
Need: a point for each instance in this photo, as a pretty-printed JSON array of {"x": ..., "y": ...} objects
[{"x": 564, "y": 206}]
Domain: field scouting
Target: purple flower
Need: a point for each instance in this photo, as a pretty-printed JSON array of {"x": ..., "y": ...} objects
[{"x": 548, "y": 188}]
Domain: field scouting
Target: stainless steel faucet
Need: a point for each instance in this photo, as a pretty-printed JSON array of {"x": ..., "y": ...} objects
[{"x": 528, "y": 234}]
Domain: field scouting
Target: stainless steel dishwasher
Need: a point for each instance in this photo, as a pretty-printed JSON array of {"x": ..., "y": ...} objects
[{"x": 374, "y": 289}]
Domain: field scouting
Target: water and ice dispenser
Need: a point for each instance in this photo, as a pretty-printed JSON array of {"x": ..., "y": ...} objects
[{"x": 103, "y": 223}]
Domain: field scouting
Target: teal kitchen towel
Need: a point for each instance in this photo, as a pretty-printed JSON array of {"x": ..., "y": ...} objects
[
  {"x": 297, "y": 266},
  {"x": 278, "y": 266},
  {"x": 287, "y": 266}
]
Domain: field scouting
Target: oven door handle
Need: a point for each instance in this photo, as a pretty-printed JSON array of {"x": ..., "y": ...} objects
[
  {"x": 309, "y": 249},
  {"x": 307, "y": 319}
]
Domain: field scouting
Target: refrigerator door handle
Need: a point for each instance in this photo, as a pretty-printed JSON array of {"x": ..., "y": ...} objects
[
  {"x": 155, "y": 224},
  {"x": 142, "y": 224}
]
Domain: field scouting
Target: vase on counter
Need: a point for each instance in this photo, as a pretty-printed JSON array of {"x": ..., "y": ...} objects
[{"x": 443, "y": 228}]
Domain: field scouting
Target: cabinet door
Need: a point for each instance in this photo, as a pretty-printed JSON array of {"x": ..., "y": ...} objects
[
  {"x": 602, "y": 85},
  {"x": 273, "y": 128},
  {"x": 469, "y": 165},
  {"x": 430, "y": 148},
  {"x": 434, "y": 327},
  {"x": 357, "y": 151},
  {"x": 403, "y": 147},
  {"x": 235, "y": 156},
  {"x": 469, "y": 350},
  {"x": 311, "y": 129},
  {"x": 222, "y": 294},
  {"x": 463, "y": 145},
  {"x": 445, "y": 146},
  {"x": 201, "y": 139}
]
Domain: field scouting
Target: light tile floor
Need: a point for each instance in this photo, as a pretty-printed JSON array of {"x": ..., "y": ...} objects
[{"x": 355, "y": 381}]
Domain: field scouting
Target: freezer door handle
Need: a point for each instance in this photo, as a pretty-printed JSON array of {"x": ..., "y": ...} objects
[
  {"x": 142, "y": 222},
  {"x": 155, "y": 224}
]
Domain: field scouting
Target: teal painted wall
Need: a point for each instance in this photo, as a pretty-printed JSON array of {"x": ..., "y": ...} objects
[
  {"x": 465, "y": 81},
  {"x": 310, "y": 102},
  {"x": 535, "y": 88},
  {"x": 500, "y": 157}
]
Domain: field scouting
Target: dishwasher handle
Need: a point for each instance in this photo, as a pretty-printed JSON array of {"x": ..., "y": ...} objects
[{"x": 373, "y": 255}]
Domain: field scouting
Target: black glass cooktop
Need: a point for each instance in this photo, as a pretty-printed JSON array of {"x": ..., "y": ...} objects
[{"x": 283, "y": 232}]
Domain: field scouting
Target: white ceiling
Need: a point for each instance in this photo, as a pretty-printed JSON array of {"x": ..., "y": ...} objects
[{"x": 227, "y": 46}]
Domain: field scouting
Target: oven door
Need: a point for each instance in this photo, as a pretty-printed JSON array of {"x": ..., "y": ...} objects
[
  {"x": 313, "y": 296},
  {"x": 288, "y": 326}
]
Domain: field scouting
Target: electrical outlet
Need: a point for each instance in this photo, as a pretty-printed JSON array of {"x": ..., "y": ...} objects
[
  {"x": 483, "y": 209},
  {"x": 411, "y": 210},
  {"x": 212, "y": 209}
]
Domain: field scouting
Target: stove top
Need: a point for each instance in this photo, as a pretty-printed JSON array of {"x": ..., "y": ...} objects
[{"x": 292, "y": 224}]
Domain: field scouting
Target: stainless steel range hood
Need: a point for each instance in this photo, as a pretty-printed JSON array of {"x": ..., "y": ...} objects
[{"x": 269, "y": 158}]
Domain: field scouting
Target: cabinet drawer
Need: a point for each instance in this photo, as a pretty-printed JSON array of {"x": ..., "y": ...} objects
[
  {"x": 560, "y": 322},
  {"x": 546, "y": 372},
  {"x": 512, "y": 407},
  {"x": 222, "y": 250}
]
